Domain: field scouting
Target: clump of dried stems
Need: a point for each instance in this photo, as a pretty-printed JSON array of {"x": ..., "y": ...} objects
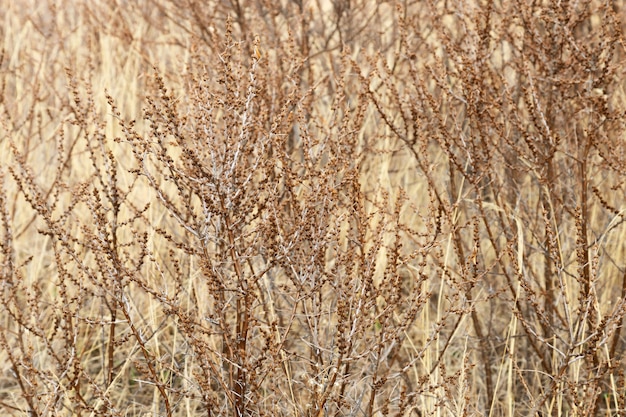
[{"x": 333, "y": 208}]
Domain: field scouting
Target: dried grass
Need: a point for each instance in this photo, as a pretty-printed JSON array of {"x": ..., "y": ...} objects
[{"x": 360, "y": 208}]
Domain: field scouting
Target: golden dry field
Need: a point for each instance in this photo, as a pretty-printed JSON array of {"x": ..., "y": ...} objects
[{"x": 312, "y": 208}]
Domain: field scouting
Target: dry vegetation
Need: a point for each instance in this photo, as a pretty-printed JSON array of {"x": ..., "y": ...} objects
[{"x": 312, "y": 208}]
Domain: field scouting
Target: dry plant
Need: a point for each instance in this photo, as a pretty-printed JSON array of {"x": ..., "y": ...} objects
[{"x": 340, "y": 208}]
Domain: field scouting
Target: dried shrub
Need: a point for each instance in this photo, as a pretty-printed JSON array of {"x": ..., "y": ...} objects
[{"x": 286, "y": 208}]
